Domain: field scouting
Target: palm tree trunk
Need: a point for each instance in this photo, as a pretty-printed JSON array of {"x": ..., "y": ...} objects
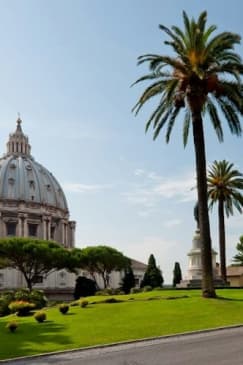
[
  {"x": 222, "y": 241},
  {"x": 199, "y": 145}
]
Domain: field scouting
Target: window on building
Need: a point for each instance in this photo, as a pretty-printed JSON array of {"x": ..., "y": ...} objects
[
  {"x": 11, "y": 229},
  {"x": 52, "y": 232},
  {"x": 32, "y": 229},
  {"x": 38, "y": 279}
]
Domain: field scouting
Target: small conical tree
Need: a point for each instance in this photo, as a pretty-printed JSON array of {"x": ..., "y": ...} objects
[
  {"x": 177, "y": 276},
  {"x": 128, "y": 281},
  {"x": 152, "y": 276}
]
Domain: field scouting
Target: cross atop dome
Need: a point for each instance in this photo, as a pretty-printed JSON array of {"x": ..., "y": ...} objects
[{"x": 19, "y": 121}]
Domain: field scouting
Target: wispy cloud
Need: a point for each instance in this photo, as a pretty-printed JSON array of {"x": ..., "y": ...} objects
[
  {"x": 172, "y": 222},
  {"x": 139, "y": 172},
  {"x": 85, "y": 188},
  {"x": 149, "y": 192}
]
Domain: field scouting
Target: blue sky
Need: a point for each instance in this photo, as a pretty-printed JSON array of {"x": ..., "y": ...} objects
[{"x": 67, "y": 67}]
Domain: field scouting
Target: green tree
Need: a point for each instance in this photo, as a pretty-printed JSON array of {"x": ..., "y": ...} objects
[
  {"x": 34, "y": 258},
  {"x": 238, "y": 258},
  {"x": 102, "y": 260},
  {"x": 203, "y": 76},
  {"x": 225, "y": 184},
  {"x": 128, "y": 281},
  {"x": 177, "y": 276},
  {"x": 152, "y": 276}
]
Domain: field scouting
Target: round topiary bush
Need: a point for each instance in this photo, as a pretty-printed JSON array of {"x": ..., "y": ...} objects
[
  {"x": 63, "y": 308},
  {"x": 40, "y": 316},
  {"x": 12, "y": 326},
  {"x": 84, "y": 303}
]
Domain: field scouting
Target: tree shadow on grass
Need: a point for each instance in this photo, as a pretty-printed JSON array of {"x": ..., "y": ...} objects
[
  {"x": 229, "y": 299},
  {"x": 33, "y": 338}
]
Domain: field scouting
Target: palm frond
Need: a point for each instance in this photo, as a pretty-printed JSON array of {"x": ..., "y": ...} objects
[
  {"x": 215, "y": 119},
  {"x": 186, "y": 127},
  {"x": 171, "y": 123}
]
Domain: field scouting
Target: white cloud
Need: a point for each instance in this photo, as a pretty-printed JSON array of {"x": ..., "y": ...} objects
[
  {"x": 85, "y": 188},
  {"x": 150, "y": 191},
  {"x": 139, "y": 172},
  {"x": 172, "y": 222}
]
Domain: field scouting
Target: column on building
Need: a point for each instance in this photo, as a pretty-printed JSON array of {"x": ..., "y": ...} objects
[
  {"x": 72, "y": 226},
  {"x": 19, "y": 232},
  {"x": 1, "y": 226},
  {"x": 44, "y": 227},
  {"x": 25, "y": 223}
]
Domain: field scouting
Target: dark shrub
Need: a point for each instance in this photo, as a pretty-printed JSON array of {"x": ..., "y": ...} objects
[
  {"x": 12, "y": 326},
  {"x": 135, "y": 290},
  {"x": 112, "y": 300},
  {"x": 5, "y": 299},
  {"x": 40, "y": 316},
  {"x": 84, "y": 303},
  {"x": 63, "y": 308},
  {"x": 128, "y": 281},
  {"x": 84, "y": 287},
  {"x": 147, "y": 288}
]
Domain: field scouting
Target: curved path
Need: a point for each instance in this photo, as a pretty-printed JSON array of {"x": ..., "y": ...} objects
[{"x": 218, "y": 347}]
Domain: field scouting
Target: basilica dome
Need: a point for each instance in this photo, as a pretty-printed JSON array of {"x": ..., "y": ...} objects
[
  {"x": 32, "y": 202},
  {"x": 24, "y": 179}
]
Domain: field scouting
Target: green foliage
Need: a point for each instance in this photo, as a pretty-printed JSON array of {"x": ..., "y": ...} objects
[
  {"x": 152, "y": 276},
  {"x": 225, "y": 187},
  {"x": 84, "y": 303},
  {"x": 102, "y": 260},
  {"x": 38, "y": 298},
  {"x": 147, "y": 288},
  {"x": 63, "y": 308},
  {"x": 110, "y": 291},
  {"x": 12, "y": 326},
  {"x": 204, "y": 72},
  {"x": 84, "y": 287},
  {"x": 40, "y": 316},
  {"x": 177, "y": 276},
  {"x": 238, "y": 258},
  {"x": 5, "y": 299},
  {"x": 34, "y": 296},
  {"x": 225, "y": 183},
  {"x": 33, "y": 257},
  {"x": 21, "y": 307},
  {"x": 128, "y": 281}
]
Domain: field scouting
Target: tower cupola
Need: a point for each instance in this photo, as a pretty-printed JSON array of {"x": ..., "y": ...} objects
[{"x": 18, "y": 143}]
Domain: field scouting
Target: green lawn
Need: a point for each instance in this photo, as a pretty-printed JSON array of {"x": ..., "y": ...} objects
[{"x": 139, "y": 317}]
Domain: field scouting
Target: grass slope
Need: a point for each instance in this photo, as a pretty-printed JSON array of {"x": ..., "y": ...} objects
[{"x": 146, "y": 315}]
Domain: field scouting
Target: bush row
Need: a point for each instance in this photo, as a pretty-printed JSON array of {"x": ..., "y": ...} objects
[{"x": 35, "y": 297}]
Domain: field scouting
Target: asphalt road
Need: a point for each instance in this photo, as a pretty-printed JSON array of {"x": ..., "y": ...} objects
[{"x": 223, "y": 347}]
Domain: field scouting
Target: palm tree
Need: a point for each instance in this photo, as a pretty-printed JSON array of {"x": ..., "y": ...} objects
[
  {"x": 204, "y": 75},
  {"x": 224, "y": 188}
]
